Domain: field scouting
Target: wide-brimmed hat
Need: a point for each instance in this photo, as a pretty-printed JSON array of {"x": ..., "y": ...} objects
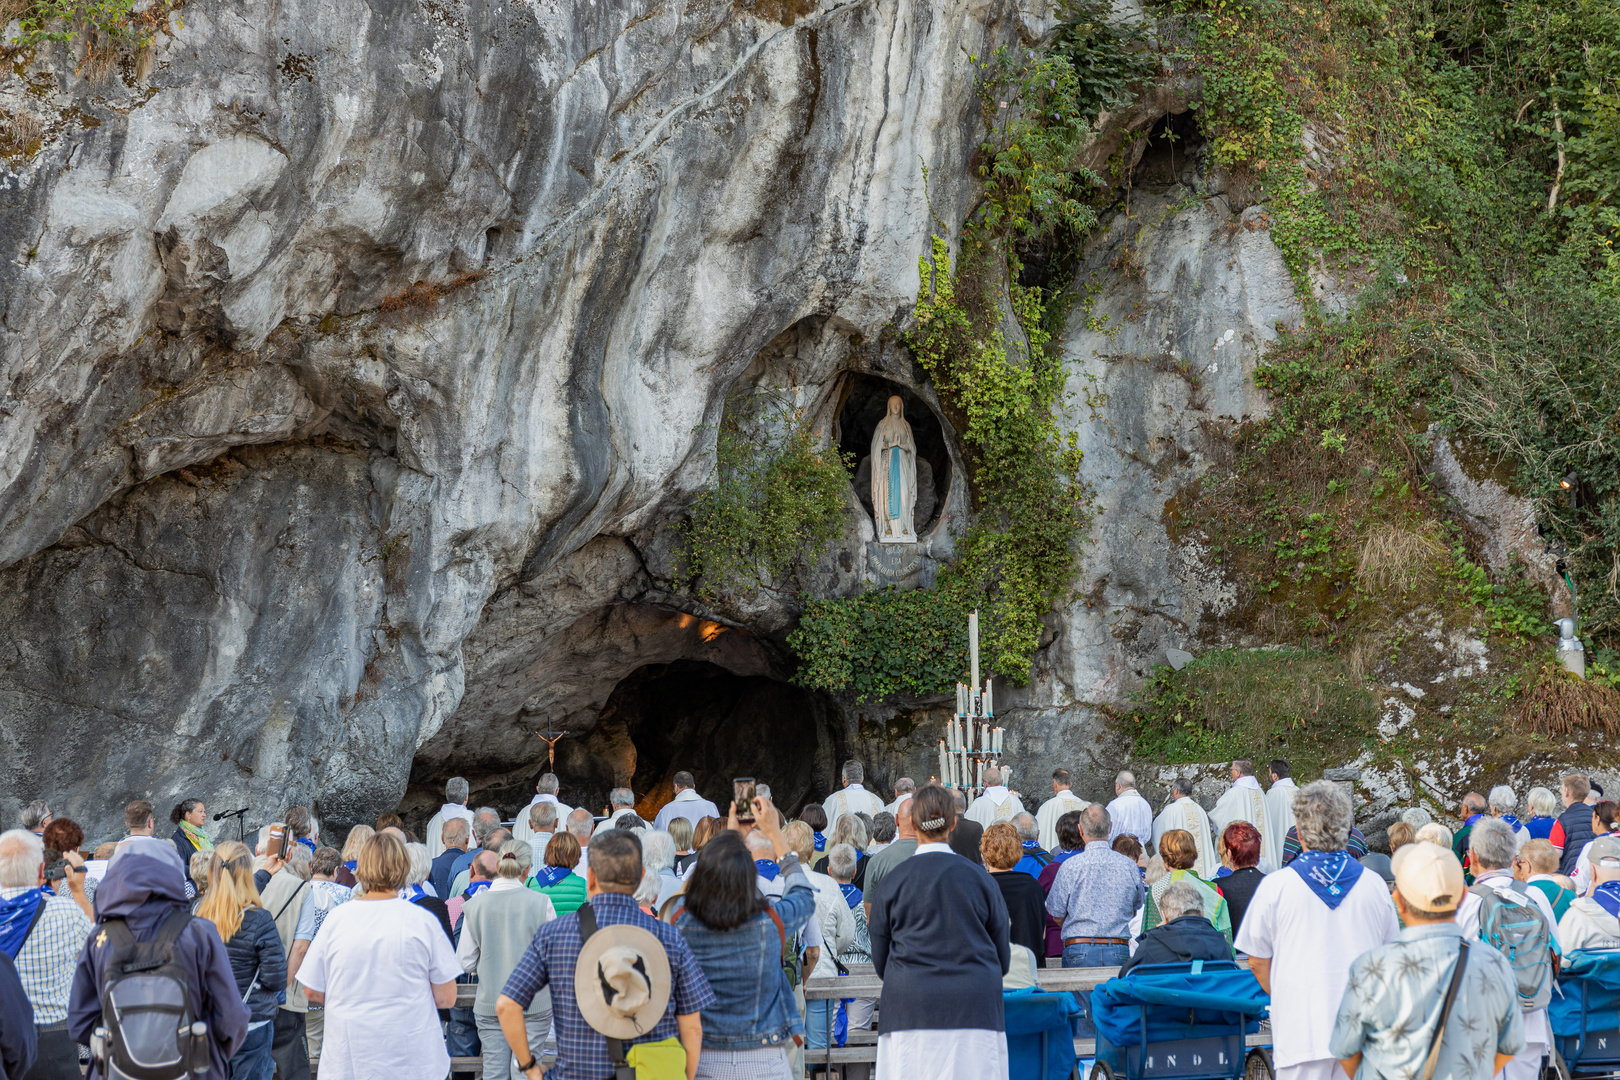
[{"x": 622, "y": 982}]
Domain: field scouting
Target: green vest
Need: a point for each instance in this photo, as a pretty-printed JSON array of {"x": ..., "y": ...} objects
[{"x": 503, "y": 923}]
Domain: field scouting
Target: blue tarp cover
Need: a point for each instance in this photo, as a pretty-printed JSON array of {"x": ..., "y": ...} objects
[
  {"x": 1592, "y": 977},
  {"x": 1182, "y": 1003},
  {"x": 1030, "y": 1012}
]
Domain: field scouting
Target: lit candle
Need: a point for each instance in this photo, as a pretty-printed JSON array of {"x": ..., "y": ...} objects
[{"x": 1006, "y": 775}]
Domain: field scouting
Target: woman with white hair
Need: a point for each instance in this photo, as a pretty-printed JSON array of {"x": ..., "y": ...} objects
[
  {"x": 1435, "y": 833},
  {"x": 658, "y": 855},
  {"x": 1544, "y": 810},
  {"x": 421, "y": 894},
  {"x": 1503, "y": 805}
]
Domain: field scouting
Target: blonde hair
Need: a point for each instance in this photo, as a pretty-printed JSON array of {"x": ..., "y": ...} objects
[
  {"x": 1435, "y": 833},
  {"x": 1540, "y": 856},
  {"x": 230, "y": 888},
  {"x": 356, "y": 842},
  {"x": 802, "y": 839},
  {"x": 849, "y": 829},
  {"x": 516, "y": 858},
  {"x": 680, "y": 830},
  {"x": 200, "y": 861},
  {"x": 1179, "y": 849},
  {"x": 384, "y": 864},
  {"x": 1400, "y": 834}
]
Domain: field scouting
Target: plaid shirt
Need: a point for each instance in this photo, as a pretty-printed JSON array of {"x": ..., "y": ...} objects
[
  {"x": 48, "y": 958},
  {"x": 549, "y": 960},
  {"x": 1355, "y": 846}
]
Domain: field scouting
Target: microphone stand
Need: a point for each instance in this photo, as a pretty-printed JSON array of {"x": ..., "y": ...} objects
[{"x": 241, "y": 820}]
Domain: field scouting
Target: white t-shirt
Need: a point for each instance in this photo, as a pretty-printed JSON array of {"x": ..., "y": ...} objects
[
  {"x": 376, "y": 961},
  {"x": 1311, "y": 948}
]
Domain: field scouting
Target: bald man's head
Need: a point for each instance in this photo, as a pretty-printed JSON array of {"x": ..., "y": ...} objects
[
  {"x": 483, "y": 866},
  {"x": 902, "y": 821},
  {"x": 581, "y": 825}
]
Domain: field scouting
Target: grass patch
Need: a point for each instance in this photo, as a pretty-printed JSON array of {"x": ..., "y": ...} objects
[{"x": 1296, "y": 703}]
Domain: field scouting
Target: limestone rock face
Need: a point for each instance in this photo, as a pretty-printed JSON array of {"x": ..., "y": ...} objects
[{"x": 339, "y": 331}]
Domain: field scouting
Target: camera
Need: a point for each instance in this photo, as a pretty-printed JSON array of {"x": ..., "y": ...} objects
[{"x": 60, "y": 869}]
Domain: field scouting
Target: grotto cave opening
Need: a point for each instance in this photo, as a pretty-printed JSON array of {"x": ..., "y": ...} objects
[
  {"x": 696, "y": 716},
  {"x": 866, "y": 400}
]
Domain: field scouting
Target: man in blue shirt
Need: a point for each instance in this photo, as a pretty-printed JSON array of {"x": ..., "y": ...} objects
[
  {"x": 1035, "y": 857},
  {"x": 1395, "y": 993},
  {"x": 582, "y": 1054}
]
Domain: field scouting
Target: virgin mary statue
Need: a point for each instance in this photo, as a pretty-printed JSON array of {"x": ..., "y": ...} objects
[{"x": 894, "y": 477}]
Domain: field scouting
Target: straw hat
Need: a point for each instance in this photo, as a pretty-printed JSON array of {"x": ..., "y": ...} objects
[{"x": 622, "y": 982}]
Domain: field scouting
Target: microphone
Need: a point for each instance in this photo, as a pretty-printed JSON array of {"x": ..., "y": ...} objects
[{"x": 231, "y": 813}]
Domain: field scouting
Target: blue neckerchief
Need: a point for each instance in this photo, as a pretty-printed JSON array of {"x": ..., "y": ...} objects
[
  {"x": 852, "y": 895},
  {"x": 413, "y": 893},
  {"x": 307, "y": 842},
  {"x": 1470, "y": 822},
  {"x": 1330, "y": 874},
  {"x": 1062, "y": 856},
  {"x": 1222, "y": 872},
  {"x": 548, "y": 876},
  {"x": 821, "y": 841},
  {"x": 16, "y": 916},
  {"x": 475, "y": 888},
  {"x": 1512, "y": 821},
  {"x": 1032, "y": 845},
  {"x": 351, "y": 864},
  {"x": 1608, "y": 897},
  {"x": 767, "y": 869}
]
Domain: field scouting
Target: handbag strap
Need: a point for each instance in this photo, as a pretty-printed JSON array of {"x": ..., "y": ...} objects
[{"x": 1433, "y": 1059}]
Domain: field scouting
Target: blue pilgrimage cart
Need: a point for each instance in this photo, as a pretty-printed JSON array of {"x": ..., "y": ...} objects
[
  {"x": 1585, "y": 1015},
  {"x": 1179, "y": 1022}
]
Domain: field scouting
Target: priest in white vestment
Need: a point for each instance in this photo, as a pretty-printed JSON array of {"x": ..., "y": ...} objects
[
  {"x": 1279, "y": 814},
  {"x": 1184, "y": 813},
  {"x": 904, "y": 788},
  {"x": 997, "y": 803},
  {"x": 853, "y": 799},
  {"x": 1130, "y": 813},
  {"x": 1062, "y": 802},
  {"x": 1245, "y": 801},
  {"x": 456, "y": 792}
]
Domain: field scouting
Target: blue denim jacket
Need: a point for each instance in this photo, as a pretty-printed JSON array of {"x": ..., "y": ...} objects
[{"x": 744, "y": 967}]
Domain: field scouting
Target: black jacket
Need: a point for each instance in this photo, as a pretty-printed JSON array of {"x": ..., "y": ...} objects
[
  {"x": 255, "y": 950},
  {"x": 939, "y": 943},
  {"x": 18, "y": 1040},
  {"x": 1577, "y": 823},
  {"x": 1026, "y": 908},
  {"x": 1238, "y": 888},
  {"x": 1190, "y": 937}
]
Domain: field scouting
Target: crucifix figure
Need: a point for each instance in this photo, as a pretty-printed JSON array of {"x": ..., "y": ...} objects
[{"x": 550, "y": 737}]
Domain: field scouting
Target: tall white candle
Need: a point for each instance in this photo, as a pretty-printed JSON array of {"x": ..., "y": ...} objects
[
  {"x": 973, "y": 647},
  {"x": 942, "y": 758},
  {"x": 988, "y": 711},
  {"x": 1006, "y": 775}
]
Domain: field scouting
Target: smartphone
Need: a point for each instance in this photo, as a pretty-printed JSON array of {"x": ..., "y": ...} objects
[
  {"x": 280, "y": 842},
  {"x": 742, "y": 791}
]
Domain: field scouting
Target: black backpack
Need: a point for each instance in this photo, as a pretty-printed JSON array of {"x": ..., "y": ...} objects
[{"x": 147, "y": 1030}]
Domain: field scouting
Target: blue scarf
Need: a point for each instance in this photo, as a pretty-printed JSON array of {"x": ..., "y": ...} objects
[
  {"x": 852, "y": 896},
  {"x": 1330, "y": 874},
  {"x": 548, "y": 876},
  {"x": 16, "y": 916},
  {"x": 1513, "y": 822},
  {"x": 1032, "y": 845},
  {"x": 1608, "y": 897},
  {"x": 413, "y": 893},
  {"x": 1469, "y": 824},
  {"x": 307, "y": 842},
  {"x": 351, "y": 864},
  {"x": 1064, "y": 856},
  {"x": 475, "y": 888},
  {"x": 821, "y": 841},
  {"x": 767, "y": 869},
  {"x": 1222, "y": 872}
]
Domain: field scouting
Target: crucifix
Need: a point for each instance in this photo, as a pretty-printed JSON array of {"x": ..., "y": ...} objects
[{"x": 550, "y": 737}]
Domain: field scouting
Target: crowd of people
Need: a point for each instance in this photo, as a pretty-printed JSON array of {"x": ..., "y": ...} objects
[{"x": 680, "y": 947}]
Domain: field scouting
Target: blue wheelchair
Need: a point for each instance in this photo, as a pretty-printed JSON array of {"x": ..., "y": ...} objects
[
  {"x": 1179, "y": 1022},
  {"x": 1585, "y": 1016}
]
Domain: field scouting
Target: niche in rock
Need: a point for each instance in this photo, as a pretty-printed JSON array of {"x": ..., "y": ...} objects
[
  {"x": 695, "y": 716},
  {"x": 1173, "y": 154},
  {"x": 866, "y": 400}
]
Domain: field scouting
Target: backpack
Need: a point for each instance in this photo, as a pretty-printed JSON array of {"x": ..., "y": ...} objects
[
  {"x": 1516, "y": 928},
  {"x": 147, "y": 1031}
]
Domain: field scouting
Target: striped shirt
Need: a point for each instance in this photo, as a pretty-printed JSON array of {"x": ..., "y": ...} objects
[{"x": 48, "y": 958}]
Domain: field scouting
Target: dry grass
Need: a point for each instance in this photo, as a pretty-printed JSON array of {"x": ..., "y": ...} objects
[
  {"x": 10, "y": 9},
  {"x": 425, "y": 294},
  {"x": 1394, "y": 559},
  {"x": 1561, "y": 705}
]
